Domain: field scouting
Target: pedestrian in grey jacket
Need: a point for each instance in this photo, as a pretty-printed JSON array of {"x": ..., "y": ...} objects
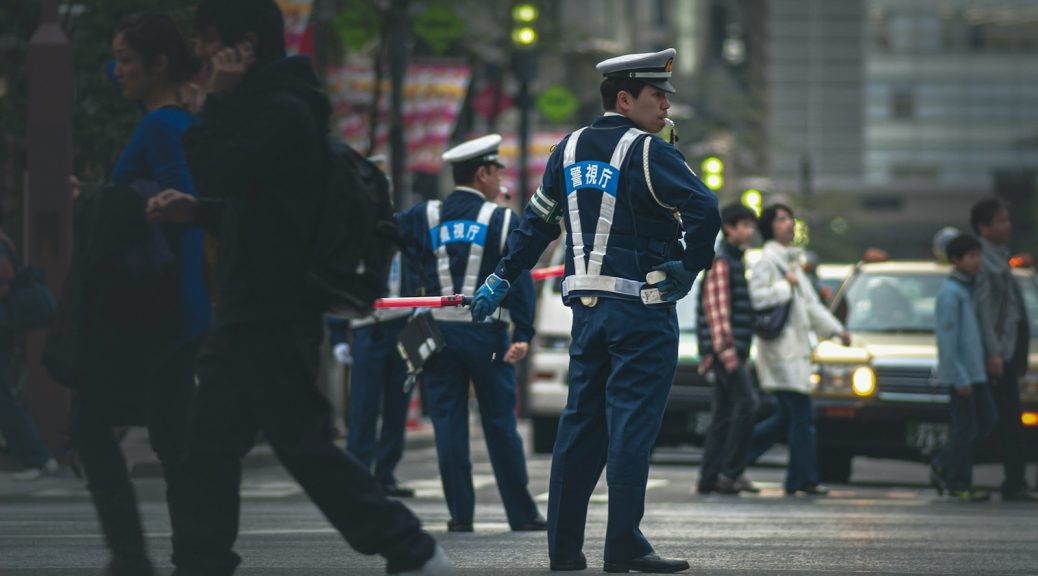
[
  {"x": 960, "y": 368},
  {"x": 1004, "y": 330}
]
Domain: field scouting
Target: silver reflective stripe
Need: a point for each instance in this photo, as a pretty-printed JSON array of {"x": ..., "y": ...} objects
[
  {"x": 465, "y": 315},
  {"x": 576, "y": 234},
  {"x": 648, "y": 182},
  {"x": 606, "y": 212},
  {"x": 468, "y": 286},
  {"x": 602, "y": 284},
  {"x": 443, "y": 261},
  {"x": 504, "y": 232}
]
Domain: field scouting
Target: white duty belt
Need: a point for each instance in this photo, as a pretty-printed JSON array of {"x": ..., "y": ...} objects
[{"x": 473, "y": 233}]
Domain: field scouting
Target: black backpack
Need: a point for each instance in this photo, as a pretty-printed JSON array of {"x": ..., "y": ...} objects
[{"x": 356, "y": 235}]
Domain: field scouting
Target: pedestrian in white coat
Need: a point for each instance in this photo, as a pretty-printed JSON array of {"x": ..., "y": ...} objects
[{"x": 784, "y": 363}]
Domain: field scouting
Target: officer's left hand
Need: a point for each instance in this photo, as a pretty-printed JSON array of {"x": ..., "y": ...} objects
[
  {"x": 516, "y": 352},
  {"x": 489, "y": 297},
  {"x": 677, "y": 283}
]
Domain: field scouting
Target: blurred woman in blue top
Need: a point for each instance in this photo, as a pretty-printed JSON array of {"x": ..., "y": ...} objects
[{"x": 152, "y": 63}]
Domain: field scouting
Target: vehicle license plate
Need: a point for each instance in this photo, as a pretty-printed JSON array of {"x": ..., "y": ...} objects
[{"x": 927, "y": 437}]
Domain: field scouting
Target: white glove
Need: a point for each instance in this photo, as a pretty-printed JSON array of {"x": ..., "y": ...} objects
[{"x": 342, "y": 354}]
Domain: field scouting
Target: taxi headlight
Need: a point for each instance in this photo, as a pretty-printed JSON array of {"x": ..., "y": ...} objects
[{"x": 863, "y": 381}]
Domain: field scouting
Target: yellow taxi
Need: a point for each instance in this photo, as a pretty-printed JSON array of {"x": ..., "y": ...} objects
[{"x": 880, "y": 397}]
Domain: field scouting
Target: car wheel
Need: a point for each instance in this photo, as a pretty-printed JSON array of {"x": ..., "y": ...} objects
[
  {"x": 834, "y": 464},
  {"x": 545, "y": 428}
]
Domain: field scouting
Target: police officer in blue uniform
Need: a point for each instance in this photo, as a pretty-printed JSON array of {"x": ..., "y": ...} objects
[
  {"x": 377, "y": 387},
  {"x": 458, "y": 242},
  {"x": 626, "y": 198}
]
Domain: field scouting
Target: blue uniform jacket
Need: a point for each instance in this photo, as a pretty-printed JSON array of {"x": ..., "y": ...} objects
[
  {"x": 463, "y": 206},
  {"x": 643, "y": 233}
]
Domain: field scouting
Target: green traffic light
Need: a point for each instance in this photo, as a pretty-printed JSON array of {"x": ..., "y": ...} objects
[
  {"x": 754, "y": 200},
  {"x": 524, "y": 36},
  {"x": 714, "y": 181},
  {"x": 524, "y": 13},
  {"x": 712, "y": 165}
]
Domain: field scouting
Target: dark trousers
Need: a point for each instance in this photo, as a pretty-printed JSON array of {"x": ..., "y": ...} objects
[
  {"x": 102, "y": 459},
  {"x": 470, "y": 356},
  {"x": 622, "y": 360},
  {"x": 1010, "y": 430},
  {"x": 377, "y": 388},
  {"x": 262, "y": 378},
  {"x": 23, "y": 440},
  {"x": 972, "y": 418},
  {"x": 794, "y": 420},
  {"x": 734, "y": 411}
]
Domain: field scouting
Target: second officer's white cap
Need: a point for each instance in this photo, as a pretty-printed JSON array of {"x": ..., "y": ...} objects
[{"x": 482, "y": 150}]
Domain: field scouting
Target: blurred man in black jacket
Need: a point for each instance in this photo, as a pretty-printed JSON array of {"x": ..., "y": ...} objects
[{"x": 258, "y": 157}]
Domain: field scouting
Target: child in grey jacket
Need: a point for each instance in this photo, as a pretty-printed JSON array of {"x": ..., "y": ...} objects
[{"x": 960, "y": 367}]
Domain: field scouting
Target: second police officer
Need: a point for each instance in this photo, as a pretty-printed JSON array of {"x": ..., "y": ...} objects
[
  {"x": 456, "y": 243},
  {"x": 625, "y": 199}
]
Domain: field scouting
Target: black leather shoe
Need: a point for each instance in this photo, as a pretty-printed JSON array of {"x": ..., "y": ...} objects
[
  {"x": 810, "y": 490},
  {"x": 579, "y": 563},
  {"x": 538, "y": 524},
  {"x": 649, "y": 563},
  {"x": 459, "y": 526},
  {"x": 397, "y": 491}
]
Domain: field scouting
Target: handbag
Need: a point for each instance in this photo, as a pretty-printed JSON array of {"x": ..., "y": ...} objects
[
  {"x": 419, "y": 339},
  {"x": 768, "y": 323},
  {"x": 29, "y": 304}
]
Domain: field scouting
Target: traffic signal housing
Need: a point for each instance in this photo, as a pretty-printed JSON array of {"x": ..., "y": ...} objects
[
  {"x": 713, "y": 173},
  {"x": 524, "y": 20}
]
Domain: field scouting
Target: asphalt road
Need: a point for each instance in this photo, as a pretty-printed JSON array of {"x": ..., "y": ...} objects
[{"x": 886, "y": 522}]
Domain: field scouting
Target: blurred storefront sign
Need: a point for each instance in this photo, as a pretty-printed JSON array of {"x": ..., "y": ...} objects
[{"x": 299, "y": 34}]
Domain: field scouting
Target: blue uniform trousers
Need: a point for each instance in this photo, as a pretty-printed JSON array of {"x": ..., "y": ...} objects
[
  {"x": 469, "y": 355},
  {"x": 377, "y": 387},
  {"x": 622, "y": 361}
]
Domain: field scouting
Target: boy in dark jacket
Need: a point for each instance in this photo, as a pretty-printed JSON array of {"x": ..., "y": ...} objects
[
  {"x": 960, "y": 367},
  {"x": 259, "y": 159},
  {"x": 725, "y": 329}
]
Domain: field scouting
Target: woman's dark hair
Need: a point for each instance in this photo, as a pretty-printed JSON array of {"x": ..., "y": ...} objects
[
  {"x": 611, "y": 87},
  {"x": 736, "y": 212},
  {"x": 152, "y": 35},
  {"x": 767, "y": 220},
  {"x": 233, "y": 19},
  {"x": 961, "y": 245},
  {"x": 984, "y": 212}
]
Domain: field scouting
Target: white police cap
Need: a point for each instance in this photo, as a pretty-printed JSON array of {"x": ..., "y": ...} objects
[
  {"x": 482, "y": 150},
  {"x": 653, "y": 68}
]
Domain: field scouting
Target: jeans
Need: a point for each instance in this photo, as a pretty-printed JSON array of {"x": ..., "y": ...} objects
[
  {"x": 972, "y": 418},
  {"x": 262, "y": 378},
  {"x": 794, "y": 420},
  {"x": 107, "y": 478},
  {"x": 727, "y": 442},
  {"x": 23, "y": 440}
]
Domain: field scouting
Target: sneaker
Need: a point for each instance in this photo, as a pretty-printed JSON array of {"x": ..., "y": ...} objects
[
  {"x": 29, "y": 474},
  {"x": 744, "y": 484},
  {"x": 970, "y": 495},
  {"x": 725, "y": 485},
  {"x": 438, "y": 565}
]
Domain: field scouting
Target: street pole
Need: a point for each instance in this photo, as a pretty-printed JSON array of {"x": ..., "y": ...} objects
[
  {"x": 525, "y": 68},
  {"x": 398, "y": 46},
  {"x": 48, "y": 222}
]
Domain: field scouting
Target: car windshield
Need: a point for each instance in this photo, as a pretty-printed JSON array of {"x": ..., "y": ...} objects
[
  {"x": 904, "y": 303},
  {"x": 893, "y": 302}
]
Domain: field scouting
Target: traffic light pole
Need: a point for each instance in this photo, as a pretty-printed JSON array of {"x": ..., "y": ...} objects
[{"x": 525, "y": 63}]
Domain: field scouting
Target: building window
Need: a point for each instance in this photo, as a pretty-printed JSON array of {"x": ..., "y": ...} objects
[{"x": 902, "y": 104}]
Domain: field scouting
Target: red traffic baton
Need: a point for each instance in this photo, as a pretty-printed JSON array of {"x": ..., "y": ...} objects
[
  {"x": 424, "y": 302},
  {"x": 548, "y": 272}
]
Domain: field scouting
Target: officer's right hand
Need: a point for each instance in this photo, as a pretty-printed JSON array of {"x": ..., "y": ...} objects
[{"x": 489, "y": 297}]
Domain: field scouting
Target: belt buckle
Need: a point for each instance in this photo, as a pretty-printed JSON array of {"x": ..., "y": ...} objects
[{"x": 651, "y": 296}]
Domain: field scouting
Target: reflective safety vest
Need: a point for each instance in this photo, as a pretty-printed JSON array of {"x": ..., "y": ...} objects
[
  {"x": 473, "y": 233},
  {"x": 583, "y": 179}
]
